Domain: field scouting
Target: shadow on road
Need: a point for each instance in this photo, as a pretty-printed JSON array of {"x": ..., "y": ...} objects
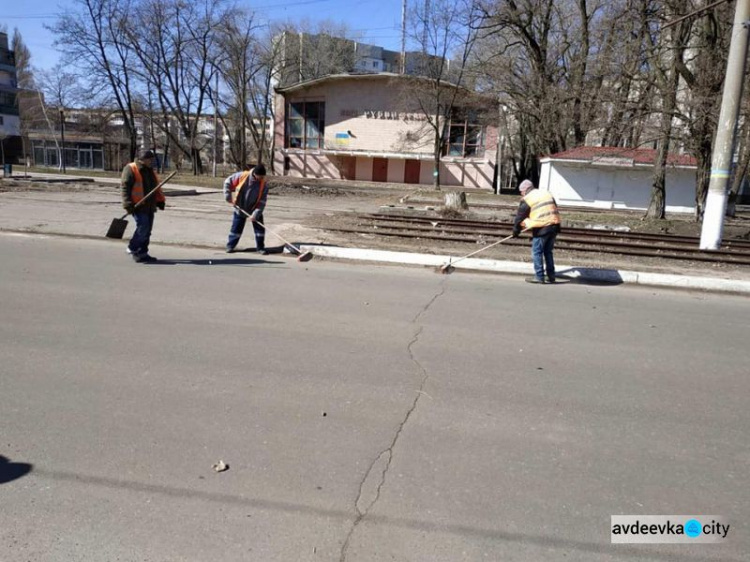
[
  {"x": 272, "y": 250},
  {"x": 590, "y": 276},
  {"x": 217, "y": 261},
  {"x": 12, "y": 470},
  {"x": 551, "y": 542}
]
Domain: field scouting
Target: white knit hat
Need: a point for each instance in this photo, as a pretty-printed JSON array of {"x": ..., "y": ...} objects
[{"x": 525, "y": 186}]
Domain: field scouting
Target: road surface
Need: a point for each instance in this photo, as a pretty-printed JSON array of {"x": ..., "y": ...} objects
[{"x": 366, "y": 413}]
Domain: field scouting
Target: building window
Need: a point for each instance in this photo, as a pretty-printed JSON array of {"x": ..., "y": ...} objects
[
  {"x": 306, "y": 124},
  {"x": 465, "y": 135},
  {"x": 77, "y": 155}
]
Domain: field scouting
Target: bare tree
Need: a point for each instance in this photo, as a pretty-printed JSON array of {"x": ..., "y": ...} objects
[
  {"x": 446, "y": 29},
  {"x": 24, "y": 72},
  {"x": 740, "y": 173},
  {"x": 61, "y": 90},
  {"x": 25, "y": 84},
  {"x": 176, "y": 47},
  {"x": 238, "y": 64},
  {"x": 668, "y": 57},
  {"x": 629, "y": 87},
  {"x": 268, "y": 56},
  {"x": 519, "y": 59},
  {"x": 703, "y": 73},
  {"x": 92, "y": 38}
]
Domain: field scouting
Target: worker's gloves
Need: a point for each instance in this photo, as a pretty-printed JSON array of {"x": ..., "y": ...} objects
[
  {"x": 255, "y": 216},
  {"x": 129, "y": 208},
  {"x": 228, "y": 198},
  {"x": 160, "y": 205},
  {"x": 516, "y": 233}
]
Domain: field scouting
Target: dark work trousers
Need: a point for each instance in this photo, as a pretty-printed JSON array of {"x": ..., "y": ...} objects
[
  {"x": 144, "y": 222},
  {"x": 238, "y": 225},
  {"x": 541, "y": 254}
]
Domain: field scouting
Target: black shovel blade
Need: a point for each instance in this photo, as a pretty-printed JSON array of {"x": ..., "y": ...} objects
[{"x": 117, "y": 228}]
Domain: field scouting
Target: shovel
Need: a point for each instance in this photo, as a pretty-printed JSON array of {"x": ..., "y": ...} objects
[
  {"x": 118, "y": 226},
  {"x": 301, "y": 256}
]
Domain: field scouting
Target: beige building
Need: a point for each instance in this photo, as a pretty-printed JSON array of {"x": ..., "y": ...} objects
[{"x": 370, "y": 127}]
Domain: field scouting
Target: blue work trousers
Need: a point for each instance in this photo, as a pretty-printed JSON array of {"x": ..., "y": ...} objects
[
  {"x": 238, "y": 226},
  {"x": 541, "y": 253},
  {"x": 144, "y": 222}
]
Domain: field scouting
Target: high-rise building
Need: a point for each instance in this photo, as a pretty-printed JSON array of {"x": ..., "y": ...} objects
[
  {"x": 309, "y": 56},
  {"x": 10, "y": 124}
]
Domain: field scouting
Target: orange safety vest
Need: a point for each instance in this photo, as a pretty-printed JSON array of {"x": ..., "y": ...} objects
[
  {"x": 240, "y": 182},
  {"x": 543, "y": 209},
  {"x": 136, "y": 193}
]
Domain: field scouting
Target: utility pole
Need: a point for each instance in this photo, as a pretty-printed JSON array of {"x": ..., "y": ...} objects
[
  {"x": 721, "y": 160},
  {"x": 62, "y": 140},
  {"x": 216, "y": 120},
  {"x": 402, "y": 70}
]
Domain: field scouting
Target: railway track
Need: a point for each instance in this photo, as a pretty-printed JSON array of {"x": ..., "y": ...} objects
[{"x": 474, "y": 232}]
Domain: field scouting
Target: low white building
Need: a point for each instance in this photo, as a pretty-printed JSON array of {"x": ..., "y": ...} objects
[{"x": 617, "y": 178}]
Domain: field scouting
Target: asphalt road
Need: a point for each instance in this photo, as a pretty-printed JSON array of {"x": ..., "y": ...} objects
[{"x": 366, "y": 413}]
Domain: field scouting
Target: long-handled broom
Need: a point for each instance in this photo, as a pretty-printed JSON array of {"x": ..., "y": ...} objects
[
  {"x": 118, "y": 226},
  {"x": 448, "y": 267},
  {"x": 301, "y": 256}
]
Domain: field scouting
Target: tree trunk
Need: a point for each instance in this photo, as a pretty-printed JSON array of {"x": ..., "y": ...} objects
[
  {"x": 436, "y": 171},
  {"x": 456, "y": 201},
  {"x": 656, "y": 208},
  {"x": 703, "y": 179}
]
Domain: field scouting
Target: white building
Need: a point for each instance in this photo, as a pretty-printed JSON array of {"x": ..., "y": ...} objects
[{"x": 616, "y": 178}]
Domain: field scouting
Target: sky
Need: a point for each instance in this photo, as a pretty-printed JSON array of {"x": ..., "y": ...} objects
[{"x": 376, "y": 22}]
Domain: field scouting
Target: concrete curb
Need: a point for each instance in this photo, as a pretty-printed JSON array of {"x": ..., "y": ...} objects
[
  {"x": 575, "y": 273},
  {"x": 581, "y": 274}
]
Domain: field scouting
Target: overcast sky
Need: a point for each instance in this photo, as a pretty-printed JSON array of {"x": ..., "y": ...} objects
[{"x": 378, "y": 22}]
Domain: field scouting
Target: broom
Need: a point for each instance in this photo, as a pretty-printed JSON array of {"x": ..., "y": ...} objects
[
  {"x": 301, "y": 256},
  {"x": 448, "y": 267},
  {"x": 118, "y": 226}
]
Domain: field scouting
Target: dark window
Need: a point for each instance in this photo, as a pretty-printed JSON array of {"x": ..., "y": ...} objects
[
  {"x": 465, "y": 135},
  {"x": 306, "y": 124}
]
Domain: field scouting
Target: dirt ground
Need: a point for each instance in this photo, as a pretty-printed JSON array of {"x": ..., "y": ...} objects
[
  {"x": 313, "y": 208},
  {"x": 420, "y": 202}
]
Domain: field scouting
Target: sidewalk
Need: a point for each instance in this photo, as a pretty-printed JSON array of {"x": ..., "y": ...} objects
[{"x": 200, "y": 218}]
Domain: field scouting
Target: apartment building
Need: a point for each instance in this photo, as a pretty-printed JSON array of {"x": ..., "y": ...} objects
[
  {"x": 307, "y": 56},
  {"x": 10, "y": 124}
]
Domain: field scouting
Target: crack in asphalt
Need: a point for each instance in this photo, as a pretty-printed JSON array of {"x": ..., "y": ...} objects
[{"x": 385, "y": 457}]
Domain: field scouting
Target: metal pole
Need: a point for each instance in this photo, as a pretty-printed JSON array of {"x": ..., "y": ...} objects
[
  {"x": 62, "y": 140},
  {"x": 216, "y": 120},
  {"x": 402, "y": 70},
  {"x": 721, "y": 160}
]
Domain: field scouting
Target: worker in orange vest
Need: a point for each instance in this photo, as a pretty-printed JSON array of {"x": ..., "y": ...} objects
[
  {"x": 138, "y": 180},
  {"x": 247, "y": 190},
  {"x": 538, "y": 211}
]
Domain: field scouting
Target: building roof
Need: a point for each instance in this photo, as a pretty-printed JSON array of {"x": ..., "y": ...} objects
[
  {"x": 621, "y": 156},
  {"x": 353, "y": 76}
]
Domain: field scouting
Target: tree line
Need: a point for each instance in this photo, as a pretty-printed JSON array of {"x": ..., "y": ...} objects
[{"x": 564, "y": 73}]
